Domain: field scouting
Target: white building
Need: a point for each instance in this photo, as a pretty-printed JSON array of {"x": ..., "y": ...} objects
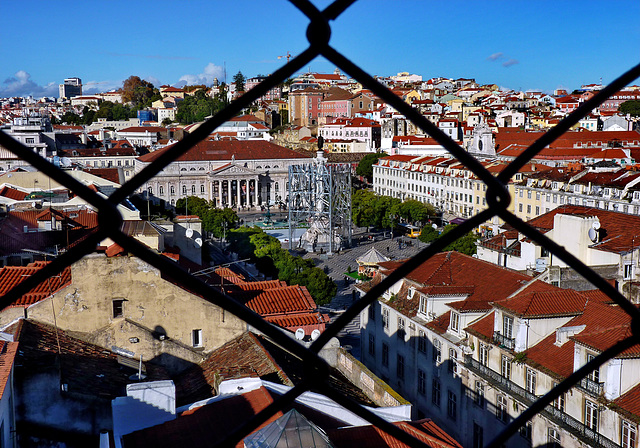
[
  {"x": 230, "y": 173},
  {"x": 472, "y": 345}
]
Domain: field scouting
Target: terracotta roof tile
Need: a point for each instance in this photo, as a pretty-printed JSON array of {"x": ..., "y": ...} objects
[
  {"x": 244, "y": 356},
  {"x": 11, "y": 276},
  {"x": 372, "y": 437},
  {"x": 226, "y": 149}
]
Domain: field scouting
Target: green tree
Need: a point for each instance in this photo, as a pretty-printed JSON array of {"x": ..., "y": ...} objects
[
  {"x": 139, "y": 93},
  {"x": 428, "y": 234},
  {"x": 197, "y": 107},
  {"x": 218, "y": 221},
  {"x": 363, "y": 208},
  {"x": 192, "y": 205},
  {"x": 365, "y": 167},
  {"x": 631, "y": 107},
  {"x": 239, "y": 80},
  {"x": 416, "y": 212},
  {"x": 71, "y": 118},
  {"x": 465, "y": 244}
]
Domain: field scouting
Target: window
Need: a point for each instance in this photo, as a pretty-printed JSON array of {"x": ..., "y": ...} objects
[
  {"x": 507, "y": 327},
  {"x": 478, "y": 398},
  {"x": 149, "y": 191},
  {"x": 483, "y": 354},
  {"x": 435, "y": 392},
  {"x": 478, "y": 441},
  {"x": 591, "y": 415},
  {"x": 401, "y": 332},
  {"x": 628, "y": 434},
  {"x": 172, "y": 190},
  {"x": 531, "y": 381},
  {"x": 437, "y": 351},
  {"x": 184, "y": 189},
  {"x": 423, "y": 305},
  {"x": 118, "y": 308},
  {"x": 505, "y": 367},
  {"x": 422, "y": 341},
  {"x": 422, "y": 382},
  {"x": 385, "y": 318},
  {"x": 196, "y": 338},
  {"x": 400, "y": 367},
  {"x": 372, "y": 345},
  {"x": 628, "y": 271},
  {"x": 161, "y": 189},
  {"x": 452, "y": 405},
  {"x": 372, "y": 313},
  {"x": 553, "y": 438},
  {"x": 453, "y": 361},
  {"x": 501, "y": 408},
  {"x": 558, "y": 403},
  {"x": 385, "y": 355},
  {"x": 595, "y": 375},
  {"x": 193, "y": 189},
  {"x": 455, "y": 322},
  {"x": 202, "y": 189},
  {"x": 525, "y": 432}
]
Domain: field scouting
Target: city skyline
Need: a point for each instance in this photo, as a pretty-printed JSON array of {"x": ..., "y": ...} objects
[{"x": 541, "y": 46}]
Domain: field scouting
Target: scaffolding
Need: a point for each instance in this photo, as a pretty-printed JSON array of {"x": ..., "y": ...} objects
[{"x": 320, "y": 200}]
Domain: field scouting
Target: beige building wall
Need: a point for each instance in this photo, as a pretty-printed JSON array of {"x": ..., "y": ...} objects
[{"x": 149, "y": 304}]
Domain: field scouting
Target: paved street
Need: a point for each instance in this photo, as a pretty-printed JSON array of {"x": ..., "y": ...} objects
[{"x": 336, "y": 265}]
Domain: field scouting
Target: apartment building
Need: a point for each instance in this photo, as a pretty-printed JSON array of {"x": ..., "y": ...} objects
[{"x": 472, "y": 345}]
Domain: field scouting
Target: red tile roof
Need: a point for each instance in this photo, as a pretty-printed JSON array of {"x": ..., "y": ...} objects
[
  {"x": 205, "y": 426},
  {"x": 226, "y": 149},
  {"x": 484, "y": 281},
  {"x": 241, "y": 357},
  {"x": 12, "y": 193},
  {"x": 372, "y": 437},
  {"x": 10, "y": 276},
  {"x": 7, "y": 355}
]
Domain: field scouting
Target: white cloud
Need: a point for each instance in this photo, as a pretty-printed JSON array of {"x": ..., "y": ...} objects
[
  {"x": 91, "y": 87},
  {"x": 495, "y": 56},
  {"x": 510, "y": 62},
  {"x": 210, "y": 72},
  {"x": 21, "y": 84},
  {"x": 153, "y": 80}
]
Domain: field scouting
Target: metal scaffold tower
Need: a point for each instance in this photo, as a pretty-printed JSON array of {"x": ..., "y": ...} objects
[{"x": 320, "y": 200}]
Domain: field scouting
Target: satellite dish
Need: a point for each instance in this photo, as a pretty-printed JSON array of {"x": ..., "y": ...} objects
[
  {"x": 596, "y": 225},
  {"x": 593, "y": 235},
  {"x": 315, "y": 334},
  {"x": 435, "y": 226},
  {"x": 33, "y": 204},
  {"x": 300, "y": 334},
  {"x": 198, "y": 242},
  {"x": 189, "y": 233}
]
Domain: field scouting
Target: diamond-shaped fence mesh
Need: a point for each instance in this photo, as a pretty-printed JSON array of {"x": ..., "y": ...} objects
[{"x": 316, "y": 369}]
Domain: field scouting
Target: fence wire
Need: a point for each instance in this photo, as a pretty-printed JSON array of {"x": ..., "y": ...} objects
[{"x": 316, "y": 369}]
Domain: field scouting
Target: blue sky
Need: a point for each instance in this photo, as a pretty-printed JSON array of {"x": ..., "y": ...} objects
[{"x": 541, "y": 45}]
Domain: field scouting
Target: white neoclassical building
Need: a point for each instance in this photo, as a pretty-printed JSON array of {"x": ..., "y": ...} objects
[{"x": 231, "y": 173}]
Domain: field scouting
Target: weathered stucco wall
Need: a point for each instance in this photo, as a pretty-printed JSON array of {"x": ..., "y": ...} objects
[{"x": 149, "y": 301}]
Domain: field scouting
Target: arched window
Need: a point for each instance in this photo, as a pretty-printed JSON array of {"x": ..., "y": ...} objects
[
  {"x": 193, "y": 189},
  {"x": 184, "y": 189},
  {"x": 202, "y": 188},
  {"x": 183, "y": 169},
  {"x": 161, "y": 189},
  {"x": 173, "y": 190},
  {"x": 149, "y": 191}
]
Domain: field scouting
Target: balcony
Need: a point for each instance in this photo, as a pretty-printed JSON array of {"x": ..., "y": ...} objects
[
  {"x": 575, "y": 427},
  {"x": 504, "y": 341},
  {"x": 591, "y": 387}
]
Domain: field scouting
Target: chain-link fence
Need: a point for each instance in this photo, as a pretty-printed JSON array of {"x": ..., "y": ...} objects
[{"x": 316, "y": 369}]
